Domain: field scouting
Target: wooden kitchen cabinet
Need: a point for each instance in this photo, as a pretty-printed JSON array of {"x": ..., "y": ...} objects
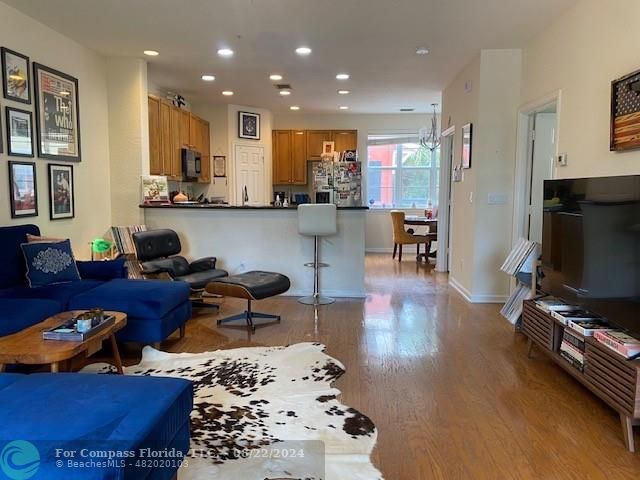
[
  {"x": 299, "y": 157},
  {"x": 281, "y": 157},
  {"x": 315, "y": 138},
  {"x": 289, "y": 157},
  {"x": 155, "y": 150},
  {"x": 345, "y": 140},
  {"x": 185, "y": 140},
  {"x": 170, "y": 130}
]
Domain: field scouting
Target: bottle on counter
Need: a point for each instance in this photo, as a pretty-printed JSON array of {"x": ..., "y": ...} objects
[
  {"x": 278, "y": 202},
  {"x": 285, "y": 204}
]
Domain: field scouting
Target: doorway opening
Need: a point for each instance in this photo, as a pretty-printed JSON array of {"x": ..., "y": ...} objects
[
  {"x": 445, "y": 204},
  {"x": 537, "y": 151},
  {"x": 249, "y": 175}
]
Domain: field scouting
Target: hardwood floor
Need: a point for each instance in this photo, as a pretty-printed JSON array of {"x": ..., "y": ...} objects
[{"x": 448, "y": 384}]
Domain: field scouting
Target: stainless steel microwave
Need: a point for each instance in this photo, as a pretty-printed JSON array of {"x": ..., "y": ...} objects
[{"x": 191, "y": 165}]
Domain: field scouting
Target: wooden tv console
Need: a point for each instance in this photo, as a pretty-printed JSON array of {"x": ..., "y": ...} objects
[{"x": 608, "y": 375}]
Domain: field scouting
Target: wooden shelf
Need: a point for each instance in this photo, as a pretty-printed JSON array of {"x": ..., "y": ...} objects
[{"x": 611, "y": 377}]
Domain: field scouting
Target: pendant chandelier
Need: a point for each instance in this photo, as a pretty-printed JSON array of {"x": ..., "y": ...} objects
[{"x": 430, "y": 136}]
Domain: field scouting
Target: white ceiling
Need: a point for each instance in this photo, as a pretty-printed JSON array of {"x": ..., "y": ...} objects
[{"x": 373, "y": 40}]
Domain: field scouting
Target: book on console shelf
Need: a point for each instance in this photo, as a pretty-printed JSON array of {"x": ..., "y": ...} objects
[
  {"x": 573, "y": 338},
  {"x": 619, "y": 341},
  {"x": 550, "y": 304},
  {"x": 564, "y": 317},
  {"x": 574, "y": 362},
  {"x": 589, "y": 327}
]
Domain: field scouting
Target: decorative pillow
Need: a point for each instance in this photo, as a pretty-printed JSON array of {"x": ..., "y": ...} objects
[
  {"x": 49, "y": 263},
  {"x": 40, "y": 238}
]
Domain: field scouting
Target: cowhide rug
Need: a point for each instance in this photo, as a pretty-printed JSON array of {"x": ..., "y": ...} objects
[{"x": 267, "y": 413}]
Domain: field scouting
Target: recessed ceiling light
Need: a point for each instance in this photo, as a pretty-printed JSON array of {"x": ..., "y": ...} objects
[
  {"x": 208, "y": 78},
  {"x": 343, "y": 92},
  {"x": 227, "y": 93},
  {"x": 275, "y": 77},
  {"x": 422, "y": 51},
  {"x": 342, "y": 76},
  {"x": 284, "y": 93},
  {"x": 303, "y": 50},
  {"x": 344, "y": 107},
  {"x": 225, "y": 52},
  {"x": 151, "y": 53},
  {"x": 294, "y": 107}
]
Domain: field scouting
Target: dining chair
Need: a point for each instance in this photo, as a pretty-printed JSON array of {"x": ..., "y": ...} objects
[{"x": 402, "y": 237}]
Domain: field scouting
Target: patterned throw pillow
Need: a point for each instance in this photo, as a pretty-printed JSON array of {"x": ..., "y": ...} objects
[{"x": 49, "y": 263}]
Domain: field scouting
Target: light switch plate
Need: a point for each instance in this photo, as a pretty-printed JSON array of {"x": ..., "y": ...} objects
[
  {"x": 562, "y": 160},
  {"x": 497, "y": 199}
]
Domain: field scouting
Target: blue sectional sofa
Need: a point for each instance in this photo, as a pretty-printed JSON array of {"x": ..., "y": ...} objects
[
  {"x": 82, "y": 417},
  {"x": 155, "y": 309}
]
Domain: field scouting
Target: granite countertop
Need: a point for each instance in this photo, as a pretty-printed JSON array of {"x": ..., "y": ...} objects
[{"x": 212, "y": 206}]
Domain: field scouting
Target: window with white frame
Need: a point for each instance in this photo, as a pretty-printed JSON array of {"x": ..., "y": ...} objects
[{"x": 401, "y": 173}]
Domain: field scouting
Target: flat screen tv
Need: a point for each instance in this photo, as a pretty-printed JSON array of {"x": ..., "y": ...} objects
[{"x": 591, "y": 246}]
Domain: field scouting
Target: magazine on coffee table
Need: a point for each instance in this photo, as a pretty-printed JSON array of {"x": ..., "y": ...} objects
[{"x": 68, "y": 331}]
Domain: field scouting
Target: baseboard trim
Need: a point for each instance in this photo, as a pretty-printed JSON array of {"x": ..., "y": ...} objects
[{"x": 469, "y": 297}]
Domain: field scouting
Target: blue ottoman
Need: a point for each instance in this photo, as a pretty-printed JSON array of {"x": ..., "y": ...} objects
[
  {"x": 155, "y": 308},
  {"x": 100, "y": 413}
]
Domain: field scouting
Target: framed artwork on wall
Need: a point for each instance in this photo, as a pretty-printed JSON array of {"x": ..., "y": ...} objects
[
  {"x": 19, "y": 132},
  {"x": 249, "y": 125},
  {"x": 15, "y": 76},
  {"x": 57, "y": 114},
  {"x": 61, "y": 192},
  {"x": 23, "y": 190},
  {"x": 625, "y": 113},
  {"x": 467, "y": 145},
  {"x": 219, "y": 166}
]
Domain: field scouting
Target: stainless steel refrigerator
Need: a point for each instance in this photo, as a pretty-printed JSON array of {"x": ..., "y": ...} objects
[{"x": 337, "y": 182}]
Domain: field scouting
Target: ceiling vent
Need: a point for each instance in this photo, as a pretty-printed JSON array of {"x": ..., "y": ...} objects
[
  {"x": 283, "y": 86},
  {"x": 407, "y": 109}
]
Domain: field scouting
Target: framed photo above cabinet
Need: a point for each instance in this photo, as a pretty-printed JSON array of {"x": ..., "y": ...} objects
[{"x": 249, "y": 125}]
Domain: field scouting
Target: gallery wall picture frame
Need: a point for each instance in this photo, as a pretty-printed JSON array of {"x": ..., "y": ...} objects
[
  {"x": 219, "y": 166},
  {"x": 23, "y": 189},
  {"x": 467, "y": 145},
  {"x": 57, "y": 114},
  {"x": 249, "y": 125},
  {"x": 16, "y": 83},
  {"x": 61, "y": 192},
  {"x": 19, "y": 125}
]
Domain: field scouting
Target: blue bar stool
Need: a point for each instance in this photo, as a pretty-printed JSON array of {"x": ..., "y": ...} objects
[{"x": 317, "y": 220}]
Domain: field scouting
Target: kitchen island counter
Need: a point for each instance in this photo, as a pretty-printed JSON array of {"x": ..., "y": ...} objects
[
  {"x": 266, "y": 238},
  {"x": 216, "y": 206}
]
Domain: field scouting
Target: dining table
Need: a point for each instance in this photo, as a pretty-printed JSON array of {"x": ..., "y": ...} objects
[{"x": 422, "y": 221}]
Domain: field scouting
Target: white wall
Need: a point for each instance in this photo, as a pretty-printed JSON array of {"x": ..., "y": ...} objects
[
  {"x": 460, "y": 105},
  {"x": 378, "y": 226},
  {"x": 92, "y": 177},
  {"x": 486, "y": 93},
  {"x": 128, "y": 136},
  {"x": 580, "y": 54},
  {"x": 217, "y": 116}
]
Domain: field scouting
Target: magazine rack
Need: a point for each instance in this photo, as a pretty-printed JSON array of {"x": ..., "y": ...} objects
[{"x": 608, "y": 375}]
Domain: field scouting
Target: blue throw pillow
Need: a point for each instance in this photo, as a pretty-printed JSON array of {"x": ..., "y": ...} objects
[{"x": 49, "y": 263}]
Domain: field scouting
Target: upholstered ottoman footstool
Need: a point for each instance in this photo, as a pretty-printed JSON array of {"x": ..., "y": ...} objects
[{"x": 254, "y": 285}]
